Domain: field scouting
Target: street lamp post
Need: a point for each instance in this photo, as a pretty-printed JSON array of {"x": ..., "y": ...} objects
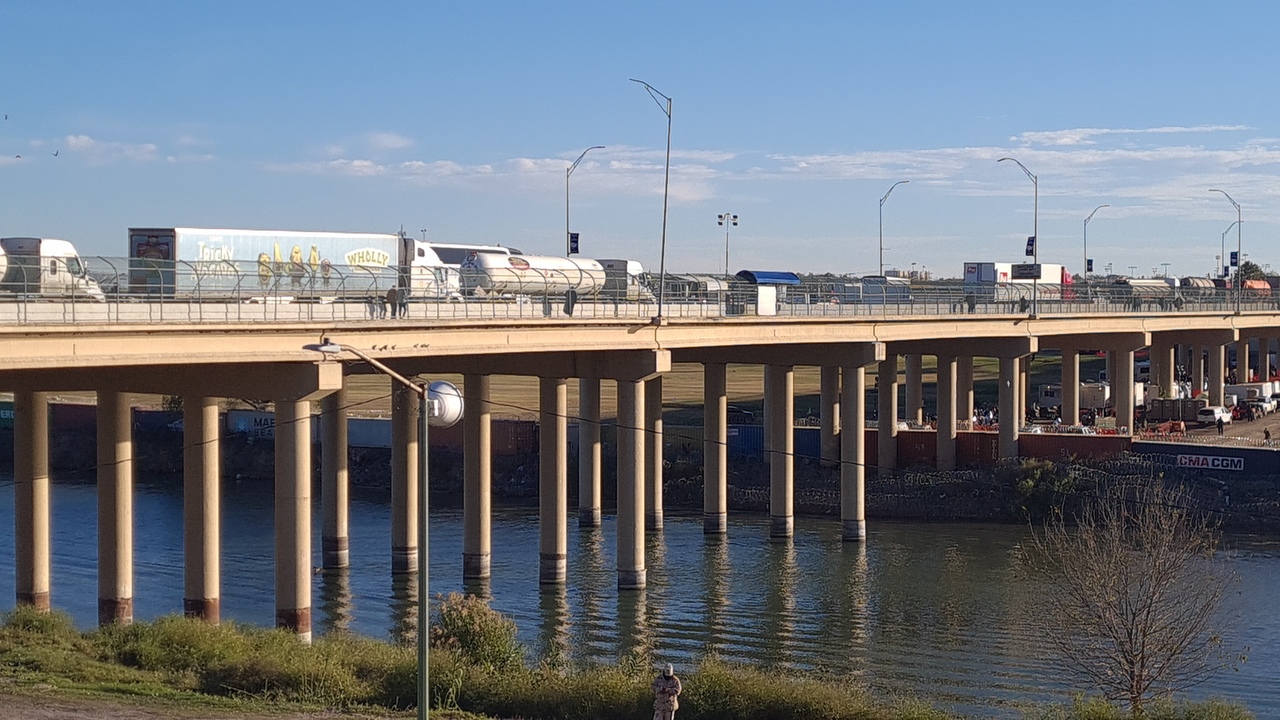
[
  {"x": 886, "y": 197},
  {"x": 1084, "y": 273},
  {"x": 440, "y": 404},
  {"x": 569, "y": 171},
  {"x": 727, "y": 220},
  {"x": 1239, "y": 248},
  {"x": 1035, "y": 230},
  {"x": 666, "y": 188},
  {"x": 1223, "y": 265}
]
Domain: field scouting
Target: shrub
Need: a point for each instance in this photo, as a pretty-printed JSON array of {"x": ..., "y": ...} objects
[
  {"x": 175, "y": 644},
  {"x": 481, "y": 635}
]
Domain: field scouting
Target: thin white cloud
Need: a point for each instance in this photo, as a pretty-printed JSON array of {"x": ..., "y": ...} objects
[
  {"x": 185, "y": 159},
  {"x": 381, "y": 141},
  {"x": 1085, "y": 136},
  {"x": 98, "y": 151}
]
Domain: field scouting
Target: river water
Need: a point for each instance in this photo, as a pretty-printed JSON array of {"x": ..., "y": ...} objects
[{"x": 927, "y": 610}]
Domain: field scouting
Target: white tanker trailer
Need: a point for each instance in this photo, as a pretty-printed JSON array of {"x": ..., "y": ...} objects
[{"x": 488, "y": 274}]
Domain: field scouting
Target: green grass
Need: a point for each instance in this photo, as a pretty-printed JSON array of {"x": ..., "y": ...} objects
[{"x": 477, "y": 670}]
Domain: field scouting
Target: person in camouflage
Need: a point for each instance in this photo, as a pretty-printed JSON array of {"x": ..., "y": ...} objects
[{"x": 666, "y": 688}]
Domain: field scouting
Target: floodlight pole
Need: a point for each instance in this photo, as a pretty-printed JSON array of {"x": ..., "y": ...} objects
[
  {"x": 886, "y": 197},
  {"x": 666, "y": 188},
  {"x": 727, "y": 220},
  {"x": 1084, "y": 271}
]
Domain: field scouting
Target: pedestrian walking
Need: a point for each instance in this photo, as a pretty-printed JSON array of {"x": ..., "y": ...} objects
[
  {"x": 393, "y": 300},
  {"x": 1266, "y": 436},
  {"x": 1220, "y": 424},
  {"x": 666, "y": 688}
]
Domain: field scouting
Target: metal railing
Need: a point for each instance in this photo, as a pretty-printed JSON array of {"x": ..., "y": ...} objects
[{"x": 149, "y": 291}]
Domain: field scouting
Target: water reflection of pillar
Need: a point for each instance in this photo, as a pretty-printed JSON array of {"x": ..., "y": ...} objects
[
  {"x": 589, "y": 574},
  {"x": 404, "y": 608},
  {"x": 780, "y": 601},
  {"x": 854, "y": 603},
  {"x": 634, "y": 638},
  {"x": 553, "y": 611},
  {"x": 336, "y": 606},
  {"x": 715, "y": 572},
  {"x": 404, "y": 479},
  {"x": 31, "y": 497}
]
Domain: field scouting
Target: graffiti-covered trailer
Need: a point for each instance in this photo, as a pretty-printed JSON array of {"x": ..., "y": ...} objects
[{"x": 215, "y": 263}]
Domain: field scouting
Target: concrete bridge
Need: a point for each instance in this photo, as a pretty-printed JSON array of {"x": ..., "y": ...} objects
[{"x": 204, "y": 360}]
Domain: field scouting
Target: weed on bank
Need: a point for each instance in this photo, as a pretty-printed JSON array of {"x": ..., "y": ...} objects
[{"x": 477, "y": 666}]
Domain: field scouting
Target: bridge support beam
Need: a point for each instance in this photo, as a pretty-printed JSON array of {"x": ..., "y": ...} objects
[
  {"x": 31, "y": 497},
  {"x": 553, "y": 480},
  {"x": 477, "y": 477},
  {"x": 334, "y": 482},
  {"x": 630, "y": 429},
  {"x": 946, "y": 432},
  {"x": 853, "y": 472},
  {"x": 201, "y": 509},
  {"x": 404, "y": 479},
  {"x": 1070, "y": 391},
  {"x": 715, "y": 450},
  {"x": 915, "y": 388},
  {"x": 780, "y": 416},
  {"x": 829, "y": 415},
  {"x": 589, "y": 453},
  {"x": 653, "y": 453},
  {"x": 115, "y": 509},
  {"x": 293, "y": 517},
  {"x": 887, "y": 412}
]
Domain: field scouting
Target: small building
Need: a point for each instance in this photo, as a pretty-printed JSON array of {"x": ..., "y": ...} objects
[{"x": 771, "y": 287}]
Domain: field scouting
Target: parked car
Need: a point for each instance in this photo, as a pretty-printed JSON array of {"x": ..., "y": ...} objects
[
  {"x": 1262, "y": 406},
  {"x": 1212, "y": 414}
]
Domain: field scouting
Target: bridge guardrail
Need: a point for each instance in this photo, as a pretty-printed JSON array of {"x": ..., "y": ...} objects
[{"x": 147, "y": 291}]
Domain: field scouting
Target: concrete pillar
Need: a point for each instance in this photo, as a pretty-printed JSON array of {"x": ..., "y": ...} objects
[
  {"x": 293, "y": 517},
  {"x": 781, "y": 449},
  {"x": 334, "y": 481},
  {"x": 589, "y": 453},
  {"x": 31, "y": 497},
  {"x": 946, "y": 433},
  {"x": 1197, "y": 369},
  {"x": 887, "y": 412},
  {"x": 1243, "y": 361},
  {"x": 1026, "y": 394},
  {"x": 1217, "y": 373},
  {"x": 1163, "y": 363},
  {"x": 201, "y": 509},
  {"x": 915, "y": 389},
  {"x": 715, "y": 450},
  {"x": 1264, "y": 359},
  {"x": 630, "y": 426},
  {"x": 829, "y": 416},
  {"x": 1124, "y": 389},
  {"x": 1070, "y": 392},
  {"x": 853, "y": 506},
  {"x": 1008, "y": 405},
  {"x": 115, "y": 509},
  {"x": 404, "y": 479},
  {"x": 653, "y": 453},
  {"x": 965, "y": 406},
  {"x": 477, "y": 477},
  {"x": 553, "y": 480},
  {"x": 1111, "y": 369}
]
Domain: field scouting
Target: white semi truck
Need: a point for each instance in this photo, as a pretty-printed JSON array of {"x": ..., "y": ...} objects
[
  {"x": 44, "y": 267},
  {"x": 217, "y": 263}
]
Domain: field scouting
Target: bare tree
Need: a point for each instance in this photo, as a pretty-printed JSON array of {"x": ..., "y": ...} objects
[{"x": 1131, "y": 591}]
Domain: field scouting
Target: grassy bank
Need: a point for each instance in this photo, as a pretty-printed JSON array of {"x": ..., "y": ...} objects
[{"x": 477, "y": 670}]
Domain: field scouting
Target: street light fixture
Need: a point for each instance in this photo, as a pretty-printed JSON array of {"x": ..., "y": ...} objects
[
  {"x": 666, "y": 190},
  {"x": 727, "y": 220},
  {"x": 1035, "y": 230},
  {"x": 1239, "y": 249},
  {"x": 1085, "y": 271},
  {"x": 1223, "y": 265},
  {"x": 886, "y": 197},
  {"x": 440, "y": 404},
  {"x": 568, "y": 249}
]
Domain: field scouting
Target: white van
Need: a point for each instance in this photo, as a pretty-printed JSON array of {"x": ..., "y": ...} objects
[
  {"x": 45, "y": 267},
  {"x": 1212, "y": 414}
]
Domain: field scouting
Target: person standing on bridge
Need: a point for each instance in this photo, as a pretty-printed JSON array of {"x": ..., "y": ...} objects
[
  {"x": 393, "y": 301},
  {"x": 666, "y": 688}
]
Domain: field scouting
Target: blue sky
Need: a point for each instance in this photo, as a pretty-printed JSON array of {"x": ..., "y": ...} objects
[{"x": 460, "y": 118}]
